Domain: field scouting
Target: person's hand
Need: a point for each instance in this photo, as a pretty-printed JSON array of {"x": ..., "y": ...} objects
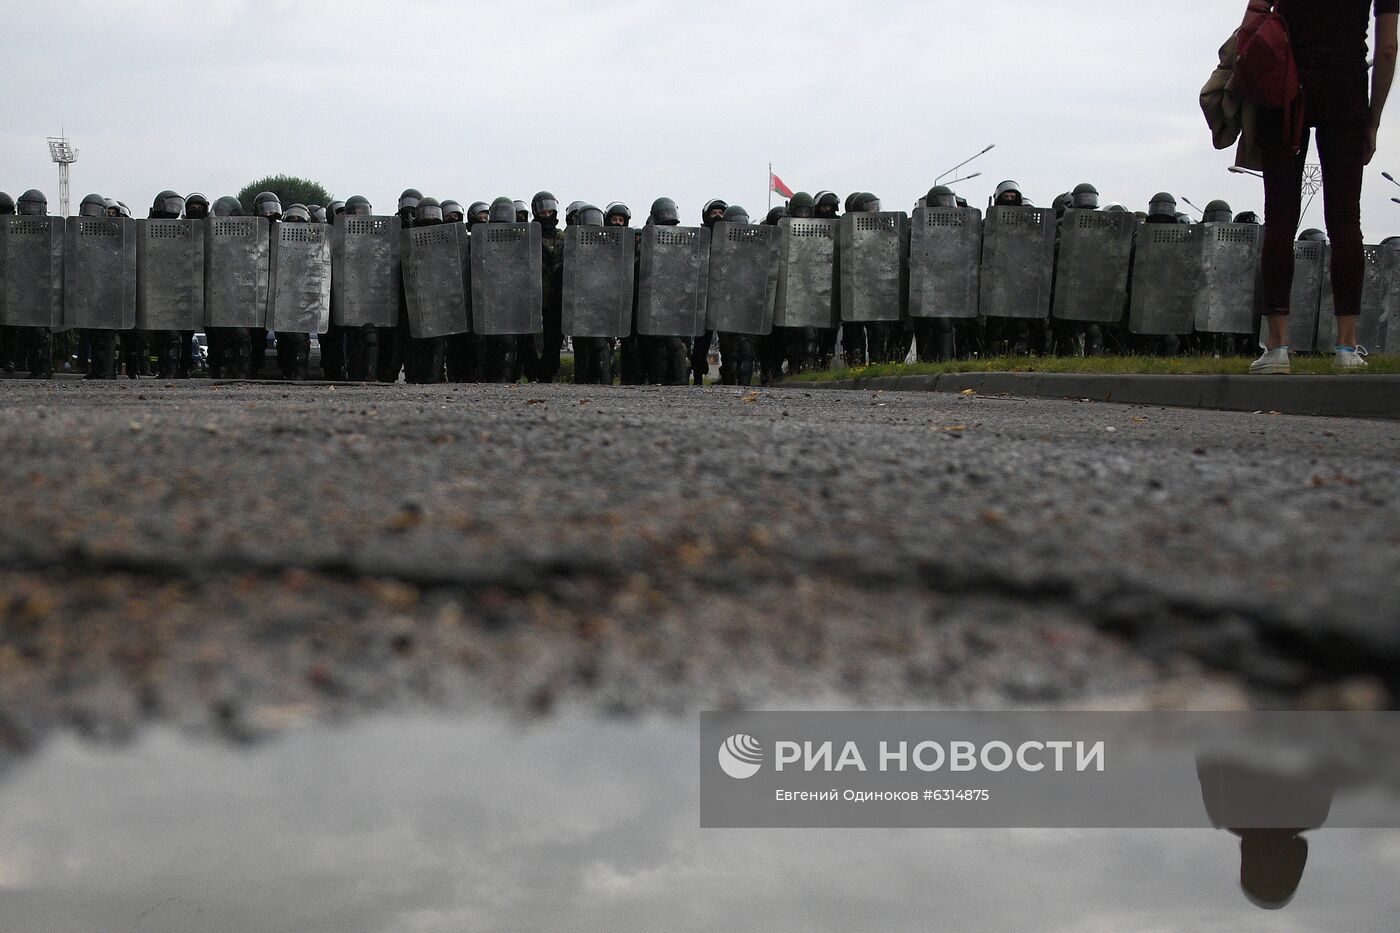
[{"x": 1370, "y": 143}]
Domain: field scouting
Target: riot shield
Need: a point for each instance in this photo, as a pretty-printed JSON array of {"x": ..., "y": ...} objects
[
  {"x": 435, "y": 279},
  {"x": 507, "y": 292},
  {"x": 1389, "y": 336},
  {"x": 806, "y": 294},
  {"x": 945, "y": 253},
  {"x": 1368, "y": 320},
  {"x": 743, "y": 279},
  {"x": 31, "y": 271},
  {"x": 170, "y": 274},
  {"x": 365, "y": 271},
  {"x": 237, "y": 255},
  {"x": 672, "y": 281},
  {"x": 1229, "y": 278},
  {"x": 1166, "y": 266},
  {"x": 874, "y": 280},
  {"x": 99, "y": 273},
  {"x": 300, "y": 300},
  {"x": 1018, "y": 258},
  {"x": 1309, "y": 270},
  {"x": 598, "y": 266},
  {"x": 1091, "y": 270}
]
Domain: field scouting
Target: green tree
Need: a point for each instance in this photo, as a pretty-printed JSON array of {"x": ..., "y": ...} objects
[{"x": 289, "y": 190}]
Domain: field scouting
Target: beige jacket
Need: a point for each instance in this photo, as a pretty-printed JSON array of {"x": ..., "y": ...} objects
[{"x": 1230, "y": 118}]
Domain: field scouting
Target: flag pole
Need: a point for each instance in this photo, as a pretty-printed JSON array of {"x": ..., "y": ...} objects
[{"x": 770, "y": 186}]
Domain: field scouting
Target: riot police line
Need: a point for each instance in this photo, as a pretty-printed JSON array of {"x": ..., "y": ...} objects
[{"x": 439, "y": 292}]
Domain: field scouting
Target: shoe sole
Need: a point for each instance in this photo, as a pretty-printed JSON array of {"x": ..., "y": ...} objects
[{"x": 1273, "y": 369}]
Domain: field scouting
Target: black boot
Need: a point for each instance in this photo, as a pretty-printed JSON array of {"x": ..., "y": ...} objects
[
  {"x": 103, "y": 344},
  {"x": 167, "y": 344},
  {"x": 1093, "y": 340},
  {"x": 302, "y": 366},
  {"x": 603, "y": 365},
  {"x": 583, "y": 361}
]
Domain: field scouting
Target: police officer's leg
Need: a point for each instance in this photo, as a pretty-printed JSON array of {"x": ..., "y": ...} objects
[
  {"x": 40, "y": 352},
  {"x": 286, "y": 355},
  {"x": 257, "y": 351},
  {"x": 678, "y": 361},
  {"x": 552, "y": 342},
  {"x": 826, "y": 347},
  {"x": 700, "y": 357},
  {"x": 877, "y": 342},
  {"x": 853, "y": 343},
  {"x": 746, "y": 349},
  {"x": 186, "y": 367},
  {"x": 728, "y": 357},
  {"x": 102, "y": 345},
  {"x": 604, "y": 368}
]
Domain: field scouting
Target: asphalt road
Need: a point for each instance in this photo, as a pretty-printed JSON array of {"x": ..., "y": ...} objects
[{"x": 240, "y": 557}]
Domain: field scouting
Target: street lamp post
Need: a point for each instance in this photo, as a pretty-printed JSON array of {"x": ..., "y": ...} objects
[{"x": 964, "y": 162}]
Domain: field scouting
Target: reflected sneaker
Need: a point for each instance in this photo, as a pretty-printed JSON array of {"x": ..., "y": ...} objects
[
  {"x": 1273, "y": 363},
  {"x": 1349, "y": 358}
]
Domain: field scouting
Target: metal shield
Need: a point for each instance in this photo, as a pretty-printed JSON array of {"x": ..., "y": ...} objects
[
  {"x": 598, "y": 280},
  {"x": 1389, "y": 337},
  {"x": 1166, "y": 268},
  {"x": 365, "y": 271},
  {"x": 945, "y": 258},
  {"x": 435, "y": 279},
  {"x": 99, "y": 273},
  {"x": 1309, "y": 272},
  {"x": 1229, "y": 277},
  {"x": 743, "y": 281},
  {"x": 806, "y": 294},
  {"x": 170, "y": 274},
  {"x": 31, "y": 271},
  {"x": 1091, "y": 270},
  {"x": 507, "y": 291},
  {"x": 1368, "y": 320},
  {"x": 1018, "y": 258},
  {"x": 300, "y": 302},
  {"x": 874, "y": 279},
  {"x": 237, "y": 256},
  {"x": 673, "y": 281}
]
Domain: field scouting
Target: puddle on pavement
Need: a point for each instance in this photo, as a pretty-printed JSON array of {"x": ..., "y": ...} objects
[{"x": 425, "y": 823}]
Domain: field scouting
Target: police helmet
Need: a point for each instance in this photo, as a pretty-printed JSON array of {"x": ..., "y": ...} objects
[
  {"x": 940, "y": 196},
  {"x": 228, "y": 206},
  {"x": 267, "y": 204},
  {"x": 735, "y": 214},
  {"x": 1162, "y": 205},
  {"x": 664, "y": 213},
  {"x": 93, "y": 205},
  {"x": 502, "y": 211}
]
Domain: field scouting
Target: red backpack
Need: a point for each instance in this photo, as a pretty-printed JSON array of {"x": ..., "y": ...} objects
[{"x": 1265, "y": 70}]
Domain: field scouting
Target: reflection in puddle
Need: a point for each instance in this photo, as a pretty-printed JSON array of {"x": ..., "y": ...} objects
[{"x": 429, "y": 823}]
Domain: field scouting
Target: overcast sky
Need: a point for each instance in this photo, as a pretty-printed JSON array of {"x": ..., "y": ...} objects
[
  {"x": 432, "y": 824},
  {"x": 627, "y": 99}
]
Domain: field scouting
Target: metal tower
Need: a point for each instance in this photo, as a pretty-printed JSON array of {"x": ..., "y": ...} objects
[{"x": 65, "y": 155}]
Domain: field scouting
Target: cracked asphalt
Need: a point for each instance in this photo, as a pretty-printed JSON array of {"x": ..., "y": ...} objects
[{"x": 241, "y": 557}]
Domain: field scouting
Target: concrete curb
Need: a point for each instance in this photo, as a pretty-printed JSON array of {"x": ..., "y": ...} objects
[{"x": 1332, "y": 396}]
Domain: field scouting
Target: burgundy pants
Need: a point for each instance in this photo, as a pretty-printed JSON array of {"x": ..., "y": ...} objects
[{"x": 1341, "y": 147}]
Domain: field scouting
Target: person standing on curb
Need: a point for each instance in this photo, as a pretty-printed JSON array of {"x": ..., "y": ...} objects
[{"x": 1329, "y": 43}]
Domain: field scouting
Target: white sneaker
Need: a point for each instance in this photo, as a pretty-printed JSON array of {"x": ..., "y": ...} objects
[
  {"x": 1273, "y": 363},
  {"x": 1350, "y": 359}
]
